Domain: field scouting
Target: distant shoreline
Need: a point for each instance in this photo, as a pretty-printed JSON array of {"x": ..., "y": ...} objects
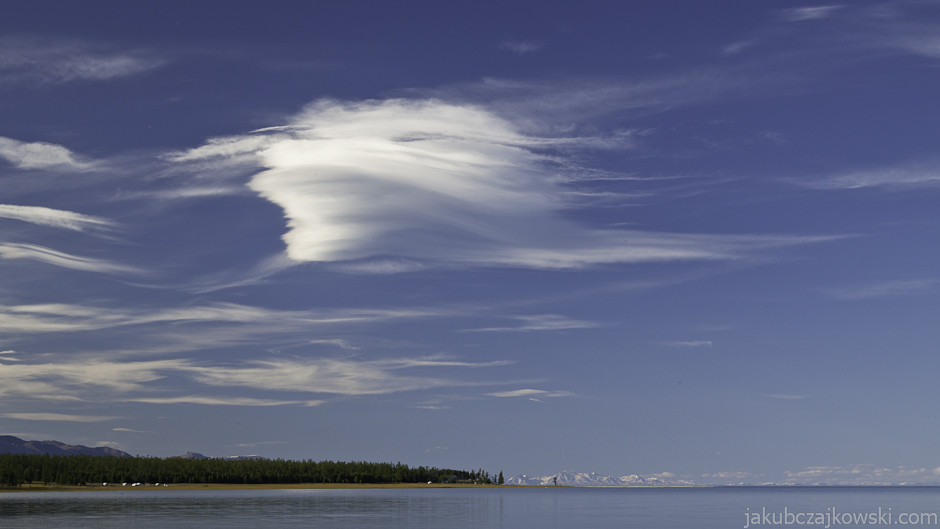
[{"x": 248, "y": 486}]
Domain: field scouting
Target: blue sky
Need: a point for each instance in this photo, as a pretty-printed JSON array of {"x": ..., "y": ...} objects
[{"x": 685, "y": 237}]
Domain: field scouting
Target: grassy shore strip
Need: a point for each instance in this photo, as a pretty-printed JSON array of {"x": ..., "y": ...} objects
[{"x": 248, "y": 486}]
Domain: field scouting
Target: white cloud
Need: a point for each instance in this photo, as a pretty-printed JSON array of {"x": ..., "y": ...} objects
[
  {"x": 862, "y": 474},
  {"x": 801, "y": 14},
  {"x": 195, "y": 327},
  {"x": 902, "y": 176},
  {"x": 42, "y": 254},
  {"x": 542, "y": 322},
  {"x": 81, "y": 379},
  {"x": 329, "y": 375},
  {"x": 426, "y": 182},
  {"x": 230, "y": 401},
  {"x": 70, "y": 380},
  {"x": 48, "y": 60},
  {"x": 41, "y": 155},
  {"x": 690, "y": 343},
  {"x": 530, "y": 393},
  {"x": 55, "y": 417},
  {"x": 56, "y": 218},
  {"x": 900, "y": 287},
  {"x": 522, "y": 47}
]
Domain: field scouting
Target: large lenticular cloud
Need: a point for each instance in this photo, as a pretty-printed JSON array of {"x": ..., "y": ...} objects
[
  {"x": 436, "y": 182},
  {"x": 424, "y": 179}
]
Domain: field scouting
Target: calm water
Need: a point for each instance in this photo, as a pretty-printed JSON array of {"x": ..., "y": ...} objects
[{"x": 452, "y": 508}]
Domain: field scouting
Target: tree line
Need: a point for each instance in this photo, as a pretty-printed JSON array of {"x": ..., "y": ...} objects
[{"x": 18, "y": 469}]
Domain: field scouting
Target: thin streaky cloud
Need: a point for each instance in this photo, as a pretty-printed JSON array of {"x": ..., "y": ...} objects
[
  {"x": 541, "y": 322},
  {"x": 48, "y": 60},
  {"x": 34, "y": 252},
  {"x": 223, "y": 401},
  {"x": 801, "y": 14},
  {"x": 327, "y": 375},
  {"x": 899, "y": 177},
  {"x": 690, "y": 343},
  {"x": 522, "y": 47},
  {"x": 899, "y": 287},
  {"x": 76, "y": 380},
  {"x": 529, "y": 393},
  {"x": 53, "y": 317},
  {"x": 56, "y": 417},
  {"x": 56, "y": 218}
]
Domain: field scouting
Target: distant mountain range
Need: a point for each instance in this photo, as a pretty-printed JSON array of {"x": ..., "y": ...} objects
[
  {"x": 15, "y": 445},
  {"x": 590, "y": 479}
]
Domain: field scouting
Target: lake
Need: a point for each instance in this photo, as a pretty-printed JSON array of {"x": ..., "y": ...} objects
[{"x": 548, "y": 507}]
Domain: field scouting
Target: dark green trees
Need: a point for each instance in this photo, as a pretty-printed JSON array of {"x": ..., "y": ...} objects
[{"x": 76, "y": 470}]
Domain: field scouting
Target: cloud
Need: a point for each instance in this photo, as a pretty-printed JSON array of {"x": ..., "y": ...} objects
[
  {"x": 34, "y": 252},
  {"x": 230, "y": 401},
  {"x": 542, "y": 322},
  {"x": 782, "y": 396},
  {"x": 127, "y": 430},
  {"x": 331, "y": 375},
  {"x": 55, "y": 417},
  {"x": 62, "y": 317},
  {"x": 862, "y": 474},
  {"x": 77, "y": 380},
  {"x": 898, "y": 177},
  {"x": 443, "y": 184},
  {"x": 530, "y": 393},
  {"x": 690, "y": 343},
  {"x": 901, "y": 287},
  {"x": 45, "y": 60},
  {"x": 801, "y": 14},
  {"x": 70, "y": 380},
  {"x": 55, "y": 218},
  {"x": 41, "y": 155},
  {"x": 522, "y": 47}
]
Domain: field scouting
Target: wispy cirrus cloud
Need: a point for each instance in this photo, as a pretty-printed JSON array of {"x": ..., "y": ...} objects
[
  {"x": 45, "y": 60},
  {"x": 690, "y": 343},
  {"x": 223, "y": 401},
  {"x": 136, "y": 381},
  {"x": 522, "y": 47},
  {"x": 801, "y": 14},
  {"x": 42, "y": 155},
  {"x": 542, "y": 322},
  {"x": 884, "y": 289},
  {"x": 334, "y": 375},
  {"x": 898, "y": 177},
  {"x": 63, "y": 317},
  {"x": 529, "y": 393},
  {"x": 445, "y": 183},
  {"x": 862, "y": 474},
  {"x": 56, "y": 218},
  {"x": 34, "y": 252},
  {"x": 56, "y": 417}
]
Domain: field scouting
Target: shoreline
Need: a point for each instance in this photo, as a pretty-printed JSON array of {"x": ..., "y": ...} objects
[{"x": 244, "y": 486}]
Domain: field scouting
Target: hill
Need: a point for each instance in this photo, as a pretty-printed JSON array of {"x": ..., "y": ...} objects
[{"x": 14, "y": 445}]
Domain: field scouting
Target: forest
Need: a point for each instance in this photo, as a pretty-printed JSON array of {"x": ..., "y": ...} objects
[{"x": 18, "y": 469}]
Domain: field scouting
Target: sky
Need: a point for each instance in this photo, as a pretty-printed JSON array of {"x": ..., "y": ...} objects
[{"x": 694, "y": 238}]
